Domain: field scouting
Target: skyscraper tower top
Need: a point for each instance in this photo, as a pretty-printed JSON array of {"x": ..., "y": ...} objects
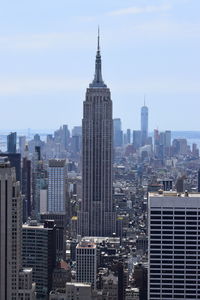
[
  {"x": 144, "y": 101},
  {"x": 98, "y": 80},
  {"x": 144, "y": 123}
]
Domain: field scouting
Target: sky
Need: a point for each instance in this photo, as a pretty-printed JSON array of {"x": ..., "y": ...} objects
[{"x": 148, "y": 47}]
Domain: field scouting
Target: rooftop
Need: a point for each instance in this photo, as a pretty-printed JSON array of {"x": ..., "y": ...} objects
[{"x": 162, "y": 193}]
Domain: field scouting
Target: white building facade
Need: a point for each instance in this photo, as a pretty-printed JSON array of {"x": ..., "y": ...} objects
[{"x": 57, "y": 173}]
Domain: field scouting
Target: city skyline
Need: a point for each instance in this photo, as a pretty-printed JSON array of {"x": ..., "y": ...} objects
[{"x": 149, "y": 47}]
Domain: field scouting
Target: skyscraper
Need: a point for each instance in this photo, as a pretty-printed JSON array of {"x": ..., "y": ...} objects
[
  {"x": 39, "y": 253},
  {"x": 198, "y": 181},
  {"x": 10, "y": 211},
  {"x": 118, "y": 133},
  {"x": 11, "y": 273},
  {"x": 173, "y": 248},
  {"x": 86, "y": 262},
  {"x": 12, "y": 142},
  {"x": 56, "y": 185},
  {"x": 144, "y": 124},
  {"x": 97, "y": 217}
]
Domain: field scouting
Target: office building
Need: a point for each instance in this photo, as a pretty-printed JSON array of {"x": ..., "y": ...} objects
[
  {"x": 60, "y": 220},
  {"x": 38, "y": 252},
  {"x": 39, "y": 181},
  {"x": 132, "y": 294},
  {"x": 96, "y": 216},
  {"x": 26, "y": 187},
  {"x": 57, "y": 174},
  {"x": 15, "y": 162},
  {"x": 128, "y": 136},
  {"x": 77, "y": 130},
  {"x": 137, "y": 136},
  {"x": 22, "y": 145},
  {"x": 144, "y": 124},
  {"x": 117, "y": 132},
  {"x": 86, "y": 262},
  {"x": 198, "y": 181},
  {"x": 173, "y": 250},
  {"x": 162, "y": 144},
  {"x": 10, "y": 236},
  {"x": 12, "y": 142},
  {"x": 73, "y": 290},
  {"x": 26, "y": 287},
  {"x": 109, "y": 287}
]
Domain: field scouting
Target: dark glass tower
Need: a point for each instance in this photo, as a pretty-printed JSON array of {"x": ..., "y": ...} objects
[
  {"x": 96, "y": 216},
  {"x": 11, "y": 142}
]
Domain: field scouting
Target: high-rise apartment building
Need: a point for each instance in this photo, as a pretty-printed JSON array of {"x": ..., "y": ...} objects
[
  {"x": 10, "y": 235},
  {"x": 12, "y": 142},
  {"x": 97, "y": 216},
  {"x": 86, "y": 262},
  {"x": 57, "y": 173},
  {"x": 174, "y": 250},
  {"x": 144, "y": 124}
]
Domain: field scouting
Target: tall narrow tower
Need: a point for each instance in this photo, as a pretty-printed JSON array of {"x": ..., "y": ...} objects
[
  {"x": 144, "y": 124},
  {"x": 96, "y": 216}
]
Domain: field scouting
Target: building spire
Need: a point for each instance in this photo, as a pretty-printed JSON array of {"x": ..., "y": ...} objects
[
  {"x": 98, "y": 80},
  {"x": 98, "y": 43}
]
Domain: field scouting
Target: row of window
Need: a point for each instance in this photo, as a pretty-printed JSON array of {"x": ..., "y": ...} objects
[{"x": 175, "y": 212}]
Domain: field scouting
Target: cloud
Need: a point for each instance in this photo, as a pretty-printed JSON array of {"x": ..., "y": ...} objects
[{"x": 134, "y": 10}]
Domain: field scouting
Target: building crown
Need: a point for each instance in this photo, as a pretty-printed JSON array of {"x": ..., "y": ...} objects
[{"x": 98, "y": 80}]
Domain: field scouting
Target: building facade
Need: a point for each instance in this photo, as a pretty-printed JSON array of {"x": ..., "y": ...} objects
[
  {"x": 57, "y": 173},
  {"x": 12, "y": 142},
  {"x": 38, "y": 252},
  {"x": 96, "y": 216},
  {"x": 10, "y": 236},
  {"x": 86, "y": 262},
  {"x": 174, "y": 251},
  {"x": 73, "y": 290}
]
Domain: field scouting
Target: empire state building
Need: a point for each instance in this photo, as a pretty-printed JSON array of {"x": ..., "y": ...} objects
[{"x": 96, "y": 216}]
